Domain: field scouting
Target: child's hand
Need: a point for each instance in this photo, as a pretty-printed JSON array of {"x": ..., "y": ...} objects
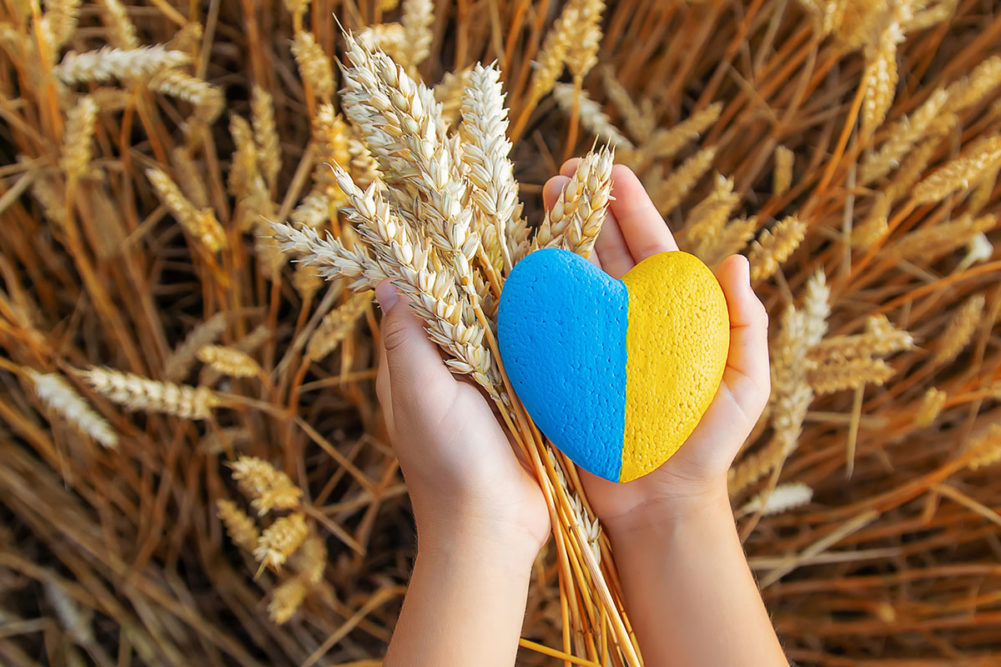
[
  {"x": 633, "y": 231},
  {"x": 675, "y": 540},
  {"x": 464, "y": 480}
]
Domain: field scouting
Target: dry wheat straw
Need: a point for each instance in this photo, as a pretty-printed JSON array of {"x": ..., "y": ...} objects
[
  {"x": 902, "y": 137},
  {"x": 665, "y": 144},
  {"x": 329, "y": 256},
  {"x": 591, "y": 115},
  {"x": 265, "y": 486},
  {"x": 228, "y": 361},
  {"x": 61, "y": 398},
  {"x": 552, "y": 56},
  {"x": 913, "y": 167},
  {"x": 188, "y": 177},
  {"x": 709, "y": 217},
  {"x": 390, "y": 38},
  {"x": 782, "y": 176},
  {"x": 978, "y": 249},
  {"x": 960, "y": 330},
  {"x": 332, "y": 136},
  {"x": 306, "y": 281},
  {"x": 79, "y": 138},
  {"x": 314, "y": 66},
  {"x": 639, "y": 123},
  {"x": 60, "y": 21},
  {"x": 417, "y": 18},
  {"x": 485, "y": 156},
  {"x": 188, "y": 39},
  {"x": 848, "y": 374},
  {"x": 280, "y": 540},
  {"x": 201, "y": 224},
  {"x": 880, "y": 78},
  {"x": 582, "y": 52},
  {"x": 180, "y": 360},
  {"x": 138, "y": 393},
  {"x": 774, "y": 246},
  {"x": 667, "y": 194},
  {"x": 449, "y": 93},
  {"x": 931, "y": 407},
  {"x": 976, "y": 86},
  {"x": 310, "y": 560},
  {"x": 313, "y": 211},
  {"x": 732, "y": 239},
  {"x": 286, "y": 600},
  {"x": 575, "y": 218},
  {"x": 986, "y": 448},
  {"x": 206, "y": 99},
  {"x": 881, "y": 338},
  {"x": 121, "y": 31},
  {"x": 414, "y": 120},
  {"x": 364, "y": 167},
  {"x": 980, "y": 159},
  {"x": 434, "y": 293},
  {"x": 266, "y": 134},
  {"x": 241, "y": 528},
  {"x": 109, "y": 63},
  {"x": 937, "y": 240},
  {"x": 875, "y": 224},
  {"x": 296, "y": 6},
  {"x": 336, "y": 325},
  {"x": 782, "y": 498}
]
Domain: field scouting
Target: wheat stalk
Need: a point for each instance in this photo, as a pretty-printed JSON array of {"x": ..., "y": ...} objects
[
  {"x": 61, "y": 398},
  {"x": 139, "y": 393},
  {"x": 229, "y": 361},
  {"x": 266, "y": 487},
  {"x": 591, "y": 115},
  {"x": 336, "y": 325},
  {"x": 79, "y": 138},
  {"x": 774, "y": 246},
  {"x": 280, "y": 540},
  {"x": 201, "y": 224},
  {"x": 265, "y": 134},
  {"x": 241, "y": 528},
  {"x": 108, "y": 63},
  {"x": 485, "y": 156}
]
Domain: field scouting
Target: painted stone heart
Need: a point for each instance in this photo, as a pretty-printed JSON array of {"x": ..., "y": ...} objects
[{"x": 616, "y": 373}]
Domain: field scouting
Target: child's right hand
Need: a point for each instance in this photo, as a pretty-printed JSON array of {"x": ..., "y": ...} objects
[
  {"x": 696, "y": 474},
  {"x": 690, "y": 595}
]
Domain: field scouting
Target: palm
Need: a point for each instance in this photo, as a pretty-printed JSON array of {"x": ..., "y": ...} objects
[{"x": 633, "y": 231}]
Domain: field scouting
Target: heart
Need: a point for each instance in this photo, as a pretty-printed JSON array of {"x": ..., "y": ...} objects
[{"x": 616, "y": 373}]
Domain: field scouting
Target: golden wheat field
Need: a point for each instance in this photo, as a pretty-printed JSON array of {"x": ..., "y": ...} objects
[{"x": 197, "y": 198}]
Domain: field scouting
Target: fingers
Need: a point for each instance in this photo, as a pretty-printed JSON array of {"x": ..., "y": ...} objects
[
  {"x": 383, "y": 390},
  {"x": 616, "y": 259},
  {"x": 412, "y": 371},
  {"x": 643, "y": 229},
  {"x": 570, "y": 166},
  {"x": 747, "y": 363},
  {"x": 552, "y": 189}
]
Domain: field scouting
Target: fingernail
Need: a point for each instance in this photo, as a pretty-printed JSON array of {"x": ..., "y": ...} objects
[{"x": 386, "y": 295}]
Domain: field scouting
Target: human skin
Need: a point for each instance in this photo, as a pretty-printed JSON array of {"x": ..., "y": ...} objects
[{"x": 481, "y": 517}]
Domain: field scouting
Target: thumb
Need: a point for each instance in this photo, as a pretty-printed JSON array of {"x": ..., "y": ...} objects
[{"x": 416, "y": 371}]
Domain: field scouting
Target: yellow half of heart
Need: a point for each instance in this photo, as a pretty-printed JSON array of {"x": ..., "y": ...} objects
[{"x": 677, "y": 340}]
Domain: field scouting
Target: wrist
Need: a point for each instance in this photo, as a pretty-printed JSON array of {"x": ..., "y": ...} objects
[
  {"x": 488, "y": 543},
  {"x": 705, "y": 502}
]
